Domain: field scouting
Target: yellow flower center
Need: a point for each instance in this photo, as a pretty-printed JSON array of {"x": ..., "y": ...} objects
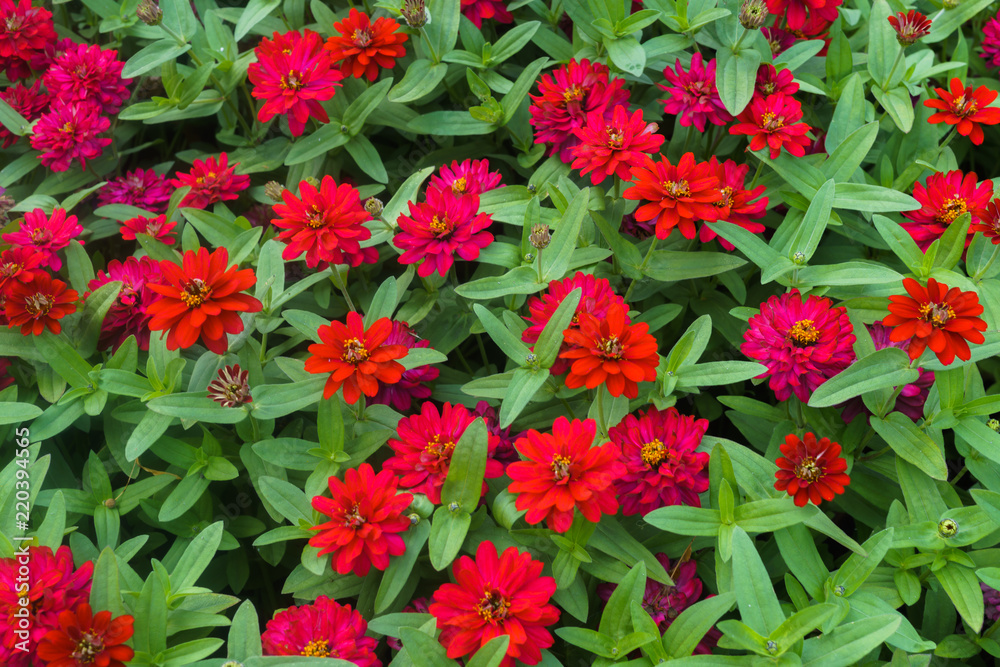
[
  {"x": 314, "y": 217},
  {"x": 573, "y": 94},
  {"x": 68, "y": 128},
  {"x": 88, "y": 648},
  {"x": 361, "y": 38},
  {"x": 195, "y": 293},
  {"x": 317, "y": 648},
  {"x": 354, "y": 351},
  {"x": 653, "y": 453},
  {"x": 937, "y": 313},
  {"x": 493, "y": 607},
  {"x": 292, "y": 80},
  {"x": 440, "y": 226},
  {"x": 560, "y": 467},
  {"x": 727, "y": 197},
  {"x": 38, "y": 304},
  {"x": 807, "y": 470},
  {"x": 437, "y": 448},
  {"x": 615, "y": 137},
  {"x": 611, "y": 348},
  {"x": 677, "y": 189},
  {"x": 952, "y": 209},
  {"x": 353, "y": 519},
  {"x": 459, "y": 185},
  {"x": 771, "y": 122},
  {"x": 804, "y": 332}
]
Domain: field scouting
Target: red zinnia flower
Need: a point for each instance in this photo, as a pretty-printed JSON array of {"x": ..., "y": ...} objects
[
  {"x": 46, "y": 235},
  {"x": 802, "y": 343},
  {"x": 797, "y": 11},
  {"x": 356, "y": 358},
  {"x": 293, "y": 74},
  {"x": 68, "y": 131},
  {"x": 479, "y": 10},
  {"x": 693, "y": 94},
  {"x": 661, "y": 465},
  {"x": 366, "y": 515},
  {"x": 86, "y": 72},
  {"x": 496, "y": 595},
  {"x": 441, "y": 227},
  {"x": 17, "y": 266},
  {"x": 611, "y": 351},
  {"x": 773, "y": 121},
  {"x": 566, "y": 97},
  {"x": 945, "y": 320},
  {"x": 422, "y": 452},
  {"x": 471, "y": 177},
  {"x": 326, "y": 225},
  {"x": 323, "y": 629},
  {"x": 811, "y": 470},
  {"x": 910, "y": 27},
  {"x": 991, "y": 41},
  {"x": 86, "y": 638},
  {"x": 202, "y": 298},
  {"x": 966, "y": 108},
  {"x": 676, "y": 196},
  {"x": 563, "y": 472},
  {"x": 230, "y": 387},
  {"x": 142, "y": 187},
  {"x": 156, "y": 227},
  {"x": 25, "y": 31},
  {"x": 771, "y": 81},
  {"x": 942, "y": 200},
  {"x": 363, "y": 45},
  {"x": 39, "y": 304},
  {"x": 737, "y": 204},
  {"x": 129, "y": 314},
  {"x": 611, "y": 148},
  {"x": 413, "y": 384},
  {"x": 211, "y": 181},
  {"x": 29, "y": 102},
  {"x": 988, "y": 224}
]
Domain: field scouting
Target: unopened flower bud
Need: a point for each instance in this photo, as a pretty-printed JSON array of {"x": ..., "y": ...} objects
[
  {"x": 994, "y": 424},
  {"x": 374, "y": 207},
  {"x": 415, "y": 13},
  {"x": 232, "y": 663},
  {"x": 312, "y": 180},
  {"x": 753, "y": 13},
  {"x": 947, "y": 528},
  {"x": 149, "y": 12},
  {"x": 453, "y": 506},
  {"x": 951, "y": 4},
  {"x": 273, "y": 190},
  {"x": 540, "y": 237},
  {"x": 799, "y": 258},
  {"x": 414, "y": 518},
  {"x": 110, "y": 503}
]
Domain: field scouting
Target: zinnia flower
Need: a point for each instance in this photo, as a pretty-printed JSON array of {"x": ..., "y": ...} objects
[
  {"x": 802, "y": 343},
  {"x": 326, "y": 225},
  {"x": 470, "y": 177},
  {"x": 611, "y": 148},
  {"x": 566, "y": 97},
  {"x": 366, "y": 515},
  {"x": 68, "y": 131},
  {"x": 945, "y": 320},
  {"x": 797, "y": 11},
  {"x": 413, "y": 384},
  {"x": 773, "y": 121},
  {"x": 611, "y": 351},
  {"x": 363, "y": 45},
  {"x": 991, "y": 601},
  {"x": 202, "y": 297},
  {"x": 811, "y": 470},
  {"x": 991, "y": 41},
  {"x": 479, "y": 10},
  {"x": 505, "y": 452},
  {"x": 6, "y": 380},
  {"x": 496, "y": 595},
  {"x": 88, "y": 73},
  {"x": 29, "y": 102},
  {"x": 323, "y": 629},
  {"x": 910, "y": 27},
  {"x": 129, "y": 314},
  {"x": 693, "y": 94},
  {"x": 25, "y": 31},
  {"x": 356, "y": 358},
  {"x": 944, "y": 198},
  {"x": 675, "y": 196},
  {"x": 230, "y": 387},
  {"x": 989, "y": 223},
  {"x": 157, "y": 227},
  {"x": 661, "y": 465},
  {"x": 85, "y": 638},
  {"x": 441, "y": 227},
  {"x": 563, "y": 472},
  {"x": 737, "y": 204},
  {"x": 46, "y": 235},
  {"x": 141, "y": 187},
  {"x": 39, "y": 304},
  {"x": 211, "y": 181},
  {"x": 779, "y": 40},
  {"x": 293, "y": 74},
  {"x": 967, "y": 108},
  {"x": 17, "y": 265},
  {"x": 771, "y": 81}
]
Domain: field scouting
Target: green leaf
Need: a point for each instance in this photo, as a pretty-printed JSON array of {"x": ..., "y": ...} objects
[
  {"x": 95, "y": 309},
  {"x": 770, "y": 514},
  {"x": 673, "y": 266},
  {"x": 849, "y": 155},
  {"x": 856, "y": 569},
  {"x": 555, "y": 260},
  {"x": 744, "y": 636},
  {"x": 197, "y": 556},
  {"x": 684, "y": 520},
  {"x": 962, "y": 586},
  {"x": 847, "y": 273},
  {"x": 513, "y": 41},
  {"x": 898, "y": 105},
  {"x": 289, "y": 500},
  {"x": 872, "y": 198},
  {"x": 736, "y": 77},
  {"x": 523, "y": 385},
  {"x": 684, "y": 633},
  {"x": 271, "y": 401},
  {"x": 899, "y": 241},
  {"x": 883, "y": 48},
  {"x": 525, "y": 80},
  {"x": 13, "y": 413},
  {"x": 507, "y": 340},
  {"x": 244, "y": 634},
  {"x": 421, "y": 78},
  {"x": 105, "y": 591},
  {"x": 769, "y": 260},
  {"x": 521, "y": 280},
  {"x": 464, "y": 482},
  {"x": 912, "y": 444},
  {"x": 150, "y": 613},
  {"x": 551, "y": 338},
  {"x": 50, "y": 533},
  {"x": 153, "y": 55},
  {"x": 949, "y": 20},
  {"x": 953, "y": 242},
  {"x": 616, "y": 618},
  {"x": 367, "y": 158},
  {"x": 842, "y": 646},
  {"x": 400, "y": 569},
  {"x": 889, "y": 367},
  {"x": 848, "y": 116},
  {"x": 217, "y": 230},
  {"x": 255, "y": 12},
  {"x": 320, "y": 142},
  {"x": 441, "y": 31},
  {"x": 364, "y": 105},
  {"x": 627, "y": 54},
  {"x": 426, "y": 648},
  {"x": 759, "y": 606},
  {"x": 448, "y": 531},
  {"x": 64, "y": 359},
  {"x": 799, "y": 625},
  {"x": 196, "y": 406},
  {"x": 17, "y": 124},
  {"x": 183, "y": 497},
  {"x": 811, "y": 229},
  {"x": 449, "y": 123},
  {"x": 491, "y": 654},
  {"x": 980, "y": 437}
]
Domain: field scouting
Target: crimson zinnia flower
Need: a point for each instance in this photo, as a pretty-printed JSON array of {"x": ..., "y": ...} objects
[
  {"x": 563, "y": 472},
  {"x": 129, "y": 314},
  {"x": 610, "y": 148},
  {"x": 737, "y": 204},
  {"x": 230, "y": 387},
  {"x": 86, "y": 72},
  {"x": 991, "y": 41},
  {"x": 17, "y": 265},
  {"x": 773, "y": 121},
  {"x": 771, "y": 81},
  {"x": 966, "y": 108},
  {"x": 441, "y": 227},
  {"x": 496, "y": 595},
  {"x": 68, "y": 131},
  {"x": 25, "y": 31},
  {"x": 326, "y": 225},
  {"x": 479, "y": 10},
  {"x": 943, "y": 199},
  {"x": 413, "y": 384},
  {"x": 46, "y": 235},
  {"x": 989, "y": 223},
  {"x": 85, "y": 638},
  {"x": 156, "y": 227},
  {"x": 779, "y": 40},
  {"x": 425, "y": 443},
  {"x": 29, "y": 102},
  {"x": 142, "y": 187},
  {"x": 363, "y": 45},
  {"x": 470, "y": 177},
  {"x": 676, "y": 196},
  {"x": 611, "y": 351},
  {"x": 211, "y": 181},
  {"x": 323, "y": 629},
  {"x": 693, "y": 94},
  {"x": 366, "y": 515},
  {"x": 39, "y": 304},
  {"x": 293, "y": 74},
  {"x": 910, "y": 27},
  {"x": 355, "y": 358},
  {"x": 202, "y": 297},
  {"x": 945, "y": 320},
  {"x": 811, "y": 470},
  {"x": 796, "y": 12},
  {"x": 802, "y": 343}
]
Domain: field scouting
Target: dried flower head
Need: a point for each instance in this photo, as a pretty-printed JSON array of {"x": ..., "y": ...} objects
[
  {"x": 149, "y": 12},
  {"x": 415, "y": 13},
  {"x": 540, "y": 237},
  {"x": 753, "y": 13},
  {"x": 273, "y": 190}
]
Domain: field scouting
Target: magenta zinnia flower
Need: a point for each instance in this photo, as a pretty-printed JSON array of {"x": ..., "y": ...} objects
[
  {"x": 505, "y": 452},
  {"x": 128, "y": 316},
  {"x": 142, "y": 187},
  {"x": 88, "y": 73},
  {"x": 991, "y": 41},
  {"x": 662, "y": 466},
  {"x": 611, "y": 147},
  {"x": 25, "y": 31},
  {"x": 29, "y": 102},
  {"x": 413, "y": 385},
  {"x": 438, "y": 229},
  {"x": 69, "y": 131},
  {"x": 211, "y": 181},
  {"x": 944, "y": 198},
  {"x": 991, "y": 600},
  {"x": 470, "y": 177},
  {"x": 802, "y": 343},
  {"x": 323, "y": 629},
  {"x": 771, "y": 81},
  {"x": 693, "y": 94},
  {"x": 46, "y": 235},
  {"x": 479, "y": 10}
]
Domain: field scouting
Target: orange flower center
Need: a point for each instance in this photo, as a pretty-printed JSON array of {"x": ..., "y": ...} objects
[
  {"x": 573, "y": 94},
  {"x": 38, "y": 304},
  {"x": 560, "y": 467},
  {"x": 653, "y": 453},
  {"x": 354, "y": 351},
  {"x": 952, "y": 209},
  {"x": 314, "y": 217},
  {"x": 317, "y": 648},
  {"x": 803, "y": 332},
  {"x": 808, "y": 470},
  {"x": 88, "y": 648},
  {"x": 362, "y": 38},
  {"x": 292, "y": 80},
  {"x": 438, "y": 448},
  {"x": 771, "y": 122},
  {"x": 611, "y": 348},
  {"x": 353, "y": 519},
  {"x": 440, "y": 225},
  {"x": 493, "y": 607},
  {"x": 937, "y": 313},
  {"x": 195, "y": 293},
  {"x": 677, "y": 189},
  {"x": 615, "y": 137},
  {"x": 459, "y": 185}
]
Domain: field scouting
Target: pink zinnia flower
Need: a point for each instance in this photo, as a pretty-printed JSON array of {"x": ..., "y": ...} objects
[
  {"x": 566, "y": 97},
  {"x": 69, "y": 131},
  {"x": 737, "y": 204},
  {"x": 323, "y": 629},
  {"x": 771, "y": 81},
  {"x": 29, "y": 102},
  {"x": 142, "y": 187},
  {"x": 693, "y": 94},
  {"x": 802, "y": 343},
  {"x": 128, "y": 316},
  {"x": 662, "y": 466},
  {"x": 438, "y": 229},
  {"x": 211, "y": 181},
  {"x": 24, "y": 32},
  {"x": 157, "y": 227},
  {"x": 413, "y": 385},
  {"x": 479, "y": 10},
  {"x": 88, "y": 73},
  {"x": 470, "y": 177},
  {"x": 991, "y": 41},
  {"x": 943, "y": 198},
  {"x": 610, "y": 148},
  {"x": 46, "y": 235}
]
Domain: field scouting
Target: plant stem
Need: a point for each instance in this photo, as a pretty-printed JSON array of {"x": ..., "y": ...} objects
[
  {"x": 982, "y": 272},
  {"x": 756, "y": 174},
  {"x": 739, "y": 40},
  {"x": 343, "y": 289},
  {"x": 895, "y": 64},
  {"x": 642, "y": 267}
]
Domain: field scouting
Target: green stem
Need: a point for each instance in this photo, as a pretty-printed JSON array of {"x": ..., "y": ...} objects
[
  {"x": 343, "y": 289},
  {"x": 263, "y": 347},
  {"x": 895, "y": 64},
  {"x": 538, "y": 261},
  {"x": 756, "y": 174},
  {"x": 982, "y": 272},
  {"x": 642, "y": 267},
  {"x": 736, "y": 46},
  {"x": 600, "y": 412}
]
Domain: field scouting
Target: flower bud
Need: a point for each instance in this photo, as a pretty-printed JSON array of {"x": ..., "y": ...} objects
[
  {"x": 753, "y": 13},
  {"x": 415, "y": 13},
  {"x": 951, "y": 4},
  {"x": 149, "y": 12},
  {"x": 374, "y": 207},
  {"x": 312, "y": 180},
  {"x": 947, "y": 528},
  {"x": 273, "y": 190},
  {"x": 110, "y": 503},
  {"x": 540, "y": 237},
  {"x": 994, "y": 424}
]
